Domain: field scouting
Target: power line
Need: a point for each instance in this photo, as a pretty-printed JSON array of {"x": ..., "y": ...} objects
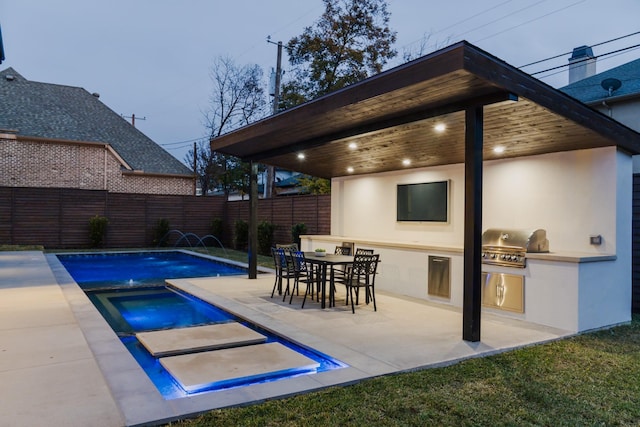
[
  {"x": 474, "y": 16},
  {"x": 586, "y": 59},
  {"x": 501, "y": 18},
  {"x": 531, "y": 20},
  {"x": 458, "y": 23},
  {"x": 631, "y": 48},
  {"x": 188, "y": 141},
  {"x": 567, "y": 53}
]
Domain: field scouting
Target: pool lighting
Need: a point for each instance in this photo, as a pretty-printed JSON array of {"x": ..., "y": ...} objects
[
  {"x": 353, "y": 145},
  {"x": 440, "y": 127},
  {"x": 350, "y": 169},
  {"x": 498, "y": 149},
  {"x": 406, "y": 162},
  {"x": 301, "y": 156}
]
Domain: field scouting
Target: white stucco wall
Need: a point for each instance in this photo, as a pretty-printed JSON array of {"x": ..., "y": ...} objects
[
  {"x": 572, "y": 195},
  {"x": 365, "y": 206}
]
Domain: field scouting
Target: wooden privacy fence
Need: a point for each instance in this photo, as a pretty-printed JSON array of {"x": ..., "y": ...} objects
[
  {"x": 58, "y": 218},
  {"x": 284, "y": 212}
]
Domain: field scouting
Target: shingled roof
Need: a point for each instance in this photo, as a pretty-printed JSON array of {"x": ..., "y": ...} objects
[
  {"x": 58, "y": 112},
  {"x": 590, "y": 90}
]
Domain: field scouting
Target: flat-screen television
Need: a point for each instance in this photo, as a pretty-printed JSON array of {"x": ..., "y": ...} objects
[{"x": 428, "y": 201}]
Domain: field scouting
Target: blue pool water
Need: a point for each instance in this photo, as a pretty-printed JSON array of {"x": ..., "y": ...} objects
[
  {"x": 136, "y": 301},
  {"x": 97, "y": 270},
  {"x": 153, "y": 308}
]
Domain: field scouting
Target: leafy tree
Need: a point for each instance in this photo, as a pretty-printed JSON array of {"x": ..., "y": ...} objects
[
  {"x": 241, "y": 234},
  {"x": 350, "y": 42},
  {"x": 266, "y": 229},
  {"x": 97, "y": 230},
  {"x": 314, "y": 185},
  {"x": 297, "y": 230},
  {"x": 237, "y": 99}
]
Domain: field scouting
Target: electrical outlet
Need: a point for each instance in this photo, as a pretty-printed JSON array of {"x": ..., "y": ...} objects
[{"x": 595, "y": 240}]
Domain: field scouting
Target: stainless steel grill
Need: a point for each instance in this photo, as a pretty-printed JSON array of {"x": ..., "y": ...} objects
[{"x": 509, "y": 247}]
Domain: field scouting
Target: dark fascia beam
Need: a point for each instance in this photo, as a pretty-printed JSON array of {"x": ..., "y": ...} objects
[{"x": 384, "y": 123}]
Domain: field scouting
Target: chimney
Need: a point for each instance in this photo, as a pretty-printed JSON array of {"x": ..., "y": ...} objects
[{"x": 582, "y": 64}]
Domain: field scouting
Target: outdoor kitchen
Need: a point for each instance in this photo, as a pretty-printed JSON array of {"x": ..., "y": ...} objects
[{"x": 548, "y": 245}]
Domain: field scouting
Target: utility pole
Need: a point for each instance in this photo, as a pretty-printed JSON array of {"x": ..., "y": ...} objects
[
  {"x": 268, "y": 185},
  {"x": 195, "y": 169},
  {"x": 133, "y": 118}
]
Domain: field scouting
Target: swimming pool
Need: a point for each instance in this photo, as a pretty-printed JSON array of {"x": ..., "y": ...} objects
[
  {"x": 136, "y": 303},
  {"x": 139, "y": 268}
]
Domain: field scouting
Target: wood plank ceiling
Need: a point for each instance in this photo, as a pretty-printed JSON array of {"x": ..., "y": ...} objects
[{"x": 374, "y": 125}]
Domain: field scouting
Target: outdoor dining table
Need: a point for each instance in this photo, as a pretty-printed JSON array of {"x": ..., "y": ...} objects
[{"x": 324, "y": 262}]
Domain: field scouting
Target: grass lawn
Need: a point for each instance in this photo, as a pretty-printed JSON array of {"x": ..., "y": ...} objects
[{"x": 588, "y": 380}]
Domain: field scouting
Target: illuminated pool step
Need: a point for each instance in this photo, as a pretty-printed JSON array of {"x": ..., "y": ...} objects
[
  {"x": 202, "y": 357},
  {"x": 172, "y": 342},
  {"x": 198, "y": 371}
]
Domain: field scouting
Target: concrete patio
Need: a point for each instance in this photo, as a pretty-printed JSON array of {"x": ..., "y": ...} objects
[{"x": 61, "y": 364}]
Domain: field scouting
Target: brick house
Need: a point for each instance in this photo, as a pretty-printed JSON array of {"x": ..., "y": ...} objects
[{"x": 63, "y": 137}]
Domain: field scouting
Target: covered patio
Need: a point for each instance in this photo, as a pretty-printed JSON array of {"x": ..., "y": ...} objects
[{"x": 369, "y": 128}]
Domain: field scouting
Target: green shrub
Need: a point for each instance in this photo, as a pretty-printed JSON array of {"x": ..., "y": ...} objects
[
  {"x": 161, "y": 229},
  {"x": 241, "y": 235},
  {"x": 296, "y": 231},
  {"x": 266, "y": 230},
  {"x": 97, "y": 230},
  {"x": 216, "y": 228}
]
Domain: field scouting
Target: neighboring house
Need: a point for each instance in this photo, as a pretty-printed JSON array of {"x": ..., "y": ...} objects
[
  {"x": 289, "y": 186},
  {"x": 615, "y": 92},
  {"x": 63, "y": 136}
]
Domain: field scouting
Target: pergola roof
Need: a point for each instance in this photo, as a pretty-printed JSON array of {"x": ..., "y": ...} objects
[{"x": 391, "y": 117}]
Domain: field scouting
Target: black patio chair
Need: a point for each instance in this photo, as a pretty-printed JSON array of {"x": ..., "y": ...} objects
[
  {"x": 303, "y": 273},
  {"x": 288, "y": 247},
  {"x": 362, "y": 275},
  {"x": 361, "y": 251},
  {"x": 340, "y": 273},
  {"x": 286, "y": 271},
  {"x": 279, "y": 267},
  {"x": 342, "y": 250}
]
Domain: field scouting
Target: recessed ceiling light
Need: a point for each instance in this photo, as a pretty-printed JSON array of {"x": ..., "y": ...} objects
[
  {"x": 353, "y": 145},
  {"x": 301, "y": 156},
  {"x": 350, "y": 169},
  {"x": 498, "y": 149},
  {"x": 440, "y": 127},
  {"x": 406, "y": 162}
]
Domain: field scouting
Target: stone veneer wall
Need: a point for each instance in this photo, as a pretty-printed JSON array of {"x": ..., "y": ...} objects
[{"x": 87, "y": 166}]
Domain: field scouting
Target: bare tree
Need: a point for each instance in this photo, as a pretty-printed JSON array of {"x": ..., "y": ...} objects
[
  {"x": 238, "y": 96},
  {"x": 423, "y": 47},
  {"x": 237, "y": 99}
]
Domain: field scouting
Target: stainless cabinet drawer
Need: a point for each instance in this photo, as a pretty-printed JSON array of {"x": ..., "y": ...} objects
[
  {"x": 439, "y": 280},
  {"x": 503, "y": 291}
]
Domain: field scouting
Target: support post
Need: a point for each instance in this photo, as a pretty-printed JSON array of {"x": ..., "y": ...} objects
[
  {"x": 271, "y": 170},
  {"x": 253, "y": 221},
  {"x": 472, "y": 300}
]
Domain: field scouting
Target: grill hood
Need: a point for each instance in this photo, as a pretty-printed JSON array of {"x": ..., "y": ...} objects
[{"x": 528, "y": 240}]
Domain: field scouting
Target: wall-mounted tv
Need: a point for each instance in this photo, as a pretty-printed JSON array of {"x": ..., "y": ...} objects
[{"x": 428, "y": 201}]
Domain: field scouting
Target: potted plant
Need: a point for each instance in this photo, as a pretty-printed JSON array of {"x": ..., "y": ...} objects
[{"x": 320, "y": 252}]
